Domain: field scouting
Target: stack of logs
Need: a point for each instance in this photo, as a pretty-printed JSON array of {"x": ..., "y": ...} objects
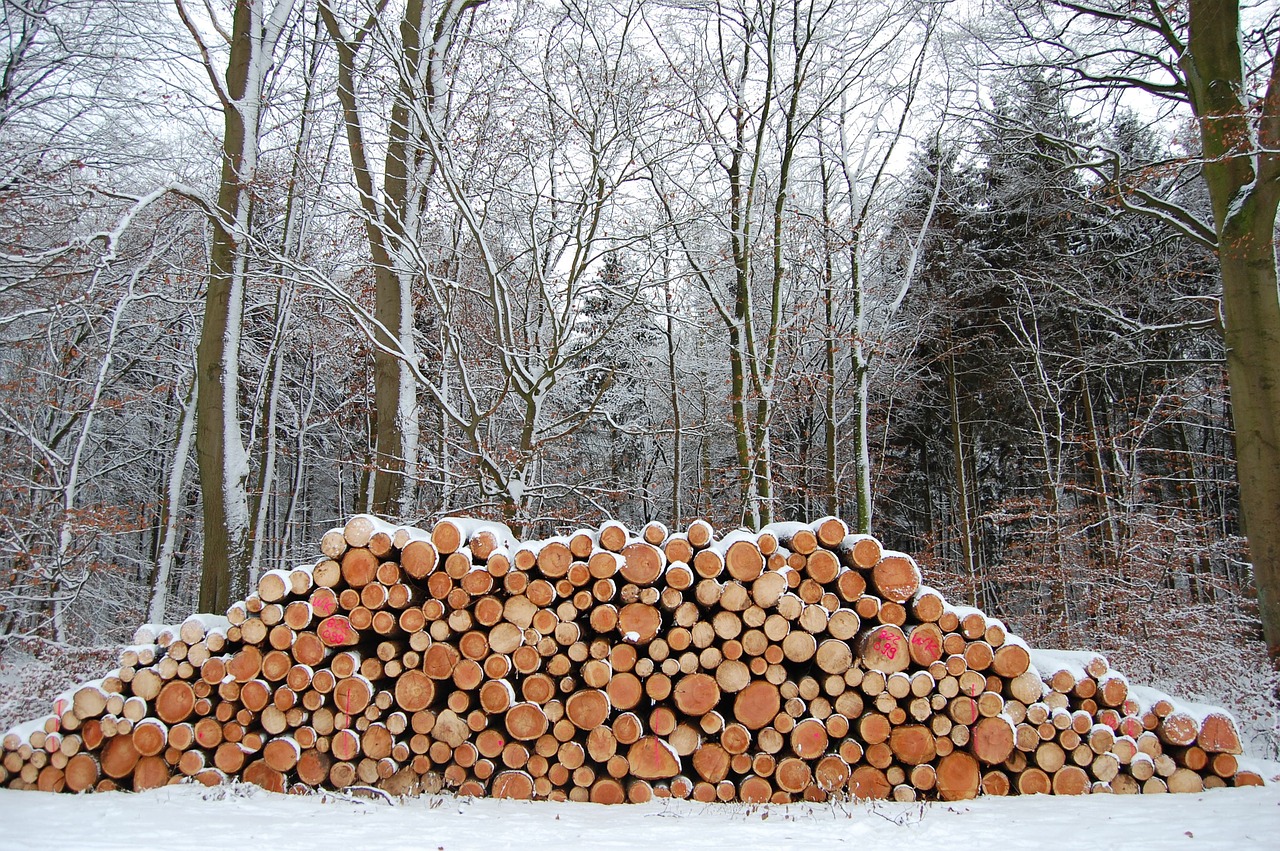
[{"x": 795, "y": 663}]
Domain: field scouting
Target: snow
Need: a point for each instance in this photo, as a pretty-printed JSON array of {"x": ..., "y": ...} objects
[
  {"x": 1050, "y": 662},
  {"x": 469, "y": 527},
  {"x": 192, "y": 817},
  {"x": 1147, "y": 697},
  {"x": 785, "y": 530},
  {"x": 217, "y": 623},
  {"x": 722, "y": 545}
]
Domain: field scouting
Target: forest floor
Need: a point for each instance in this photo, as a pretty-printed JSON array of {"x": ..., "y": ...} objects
[{"x": 184, "y": 817}]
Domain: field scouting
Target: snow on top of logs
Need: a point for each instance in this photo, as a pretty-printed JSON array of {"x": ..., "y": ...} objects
[
  {"x": 209, "y": 622},
  {"x": 156, "y": 633},
  {"x": 469, "y": 527},
  {"x": 785, "y": 530},
  {"x": 962, "y": 611},
  {"x": 1050, "y": 662},
  {"x": 1015, "y": 639},
  {"x": 927, "y": 591},
  {"x": 64, "y": 701},
  {"x": 1081, "y": 663},
  {"x": 1148, "y": 697},
  {"x": 19, "y": 733},
  {"x": 723, "y": 544}
]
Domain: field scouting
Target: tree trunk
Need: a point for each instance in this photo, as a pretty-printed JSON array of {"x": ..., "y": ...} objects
[
  {"x": 1242, "y": 171},
  {"x": 962, "y": 487},
  {"x": 219, "y": 449},
  {"x": 386, "y": 229},
  {"x": 677, "y": 423},
  {"x": 171, "y": 511}
]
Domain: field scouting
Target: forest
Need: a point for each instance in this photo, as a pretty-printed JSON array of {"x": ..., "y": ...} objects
[{"x": 989, "y": 280}]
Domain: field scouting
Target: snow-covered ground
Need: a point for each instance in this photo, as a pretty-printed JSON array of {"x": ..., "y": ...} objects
[{"x": 191, "y": 817}]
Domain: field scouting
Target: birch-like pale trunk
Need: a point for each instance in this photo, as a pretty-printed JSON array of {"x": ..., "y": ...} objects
[
  {"x": 63, "y": 591},
  {"x": 172, "y": 510}
]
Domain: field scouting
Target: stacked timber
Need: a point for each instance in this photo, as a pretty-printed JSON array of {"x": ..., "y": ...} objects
[{"x": 799, "y": 662}]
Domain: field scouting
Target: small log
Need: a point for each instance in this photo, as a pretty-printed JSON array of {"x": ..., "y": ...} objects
[
  {"x": 588, "y": 709},
  {"x": 834, "y": 656},
  {"x": 958, "y": 777},
  {"x": 359, "y": 567},
  {"x": 81, "y": 773},
  {"x": 885, "y": 649},
  {"x": 1071, "y": 780},
  {"x": 869, "y": 782},
  {"x": 1011, "y": 660},
  {"x": 612, "y": 536},
  {"x": 652, "y": 758},
  {"x": 643, "y": 563},
  {"x": 896, "y": 577},
  {"x": 1218, "y": 734},
  {"x": 639, "y": 623},
  {"x": 175, "y": 702},
  {"x": 743, "y": 561},
  {"x": 259, "y": 773},
  {"x": 338, "y": 631},
  {"x": 526, "y": 721},
  {"x": 696, "y": 694},
  {"x": 712, "y": 762},
  {"x": 996, "y": 783},
  {"x": 913, "y": 744},
  {"x": 809, "y": 739},
  {"x": 151, "y": 772},
  {"x": 992, "y": 740},
  {"x": 150, "y": 737},
  {"x": 281, "y": 754},
  {"x": 756, "y": 705},
  {"x": 119, "y": 757},
  {"x": 924, "y": 643}
]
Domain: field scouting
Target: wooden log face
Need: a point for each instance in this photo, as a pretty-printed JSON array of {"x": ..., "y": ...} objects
[
  {"x": 696, "y": 694},
  {"x": 809, "y": 739},
  {"x": 587, "y": 709},
  {"x": 119, "y": 757},
  {"x": 639, "y": 623},
  {"x": 743, "y": 561},
  {"x": 834, "y": 656},
  {"x": 885, "y": 649},
  {"x": 896, "y": 577},
  {"x": 757, "y": 704},
  {"x": 651, "y": 758},
  {"x": 338, "y": 631},
  {"x": 359, "y": 567},
  {"x": 711, "y": 761},
  {"x": 414, "y": 691},
  {"x": 81, "y": 773},
  {"x": 869, "y": 783},
  {"x": 152, "y": 772},
  {"x": 958, "y": 777},
  {"x": 642, "y": 563},
  {"x": 993, "y": 740},
  {"x": 526, "y": 721},
  {"x": 1218, "y": 734},
  {"x": 925, "y": 644},
  {"x": 175, "y": 702},
  {"x": 795, "y": 664}
]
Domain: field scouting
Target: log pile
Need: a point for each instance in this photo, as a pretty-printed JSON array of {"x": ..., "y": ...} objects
[{"x": 799, "y": 662}]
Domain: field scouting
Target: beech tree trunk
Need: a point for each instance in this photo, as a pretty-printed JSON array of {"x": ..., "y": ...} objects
[
  {"x": 220, "y": 453},
  {"x": 1242, "y": 171}
]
